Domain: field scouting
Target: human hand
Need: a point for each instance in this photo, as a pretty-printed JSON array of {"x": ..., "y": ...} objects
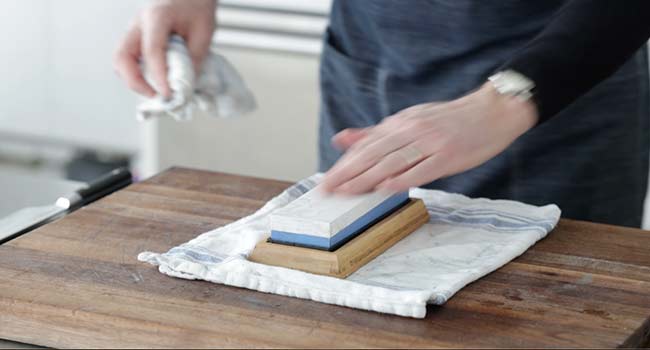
[
  {"x": 147, "y": 39},
  {"x": 425, "y": 142}
]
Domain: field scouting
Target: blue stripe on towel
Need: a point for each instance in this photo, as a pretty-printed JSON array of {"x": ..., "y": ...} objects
[
  {"x": 487, "y": 218},
  {"x": 484, "y": 211},
  {"x": 300, "y": 188},
  {"x": 192, "y": 254}
]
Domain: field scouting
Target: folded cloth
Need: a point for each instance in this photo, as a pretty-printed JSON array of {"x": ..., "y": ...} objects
[
  {"x": 464, "y": 240},
  {"x": 219, "y": 90}
]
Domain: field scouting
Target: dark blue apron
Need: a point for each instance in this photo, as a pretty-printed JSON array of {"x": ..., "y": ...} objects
[{"x": 381, "y": 56}]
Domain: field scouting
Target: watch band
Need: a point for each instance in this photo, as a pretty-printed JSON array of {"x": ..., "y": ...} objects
[{"x": 511, "y": 83}]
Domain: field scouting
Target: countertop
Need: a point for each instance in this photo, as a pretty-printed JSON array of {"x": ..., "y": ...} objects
[{"x": 76, "y": 283}]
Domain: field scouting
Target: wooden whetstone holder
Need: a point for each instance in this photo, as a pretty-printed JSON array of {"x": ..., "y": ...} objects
[{"x": 353, "y": 254}]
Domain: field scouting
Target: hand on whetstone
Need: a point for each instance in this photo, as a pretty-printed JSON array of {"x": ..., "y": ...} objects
[{"x": 326, "y": 221}]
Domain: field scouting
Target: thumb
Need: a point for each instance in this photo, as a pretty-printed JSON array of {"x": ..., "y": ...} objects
[
  {"x": 348, "y": 137},
  {"x": 198, "y": 45},
  {"x": 154, "y": 49}
]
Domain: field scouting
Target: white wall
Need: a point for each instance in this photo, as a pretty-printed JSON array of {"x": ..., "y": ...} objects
[
  {"x": 58, "y": 84},
  {"x": 57, "y": 77},
  {"x": 277, "y": 141}
]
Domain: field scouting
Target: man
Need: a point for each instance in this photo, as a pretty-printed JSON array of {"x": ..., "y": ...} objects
[{"x": 563, "y": 117}]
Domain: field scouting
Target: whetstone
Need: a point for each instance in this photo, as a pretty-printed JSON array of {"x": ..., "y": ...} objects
[
  {"x": 326, "y": 221},
  {"x": 353, "y": 254}
]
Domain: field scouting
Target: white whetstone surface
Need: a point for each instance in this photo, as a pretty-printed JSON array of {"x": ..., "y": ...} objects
[{"x": 324, "y": 215}]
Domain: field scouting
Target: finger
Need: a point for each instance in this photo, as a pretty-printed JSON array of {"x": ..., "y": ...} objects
[
  {"x": 346, "y": 138},
  {"x": 126, "y": 64},
  {"x": 154, "y": 48},
  {"x": 357, "y": 160},
  {"x": 388, "y": 128},
  {"x": 394, "y": 163},
  {"x": 428, "y": 170},
  {"x": 371, "y": 134},
  {"x": 128, "y": 68},
  {"x": 374, "y": 150},
  {"x": 198, "y": 44}
]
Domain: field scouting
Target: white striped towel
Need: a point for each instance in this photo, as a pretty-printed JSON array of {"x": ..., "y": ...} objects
[{"x": 464, "y": 240}]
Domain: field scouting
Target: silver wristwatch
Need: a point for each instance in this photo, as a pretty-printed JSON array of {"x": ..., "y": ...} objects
[{"x": 511, "y": 83}]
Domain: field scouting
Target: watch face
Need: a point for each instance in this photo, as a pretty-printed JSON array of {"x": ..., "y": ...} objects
[{"x": 513, "y": 83}]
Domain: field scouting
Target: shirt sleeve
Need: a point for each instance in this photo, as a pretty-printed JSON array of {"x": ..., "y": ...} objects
[{"x": 585, "y": 42}]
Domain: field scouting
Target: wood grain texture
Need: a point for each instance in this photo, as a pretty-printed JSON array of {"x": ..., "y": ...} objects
[
  {"x": 76, "y": 283},
  {"x": 353, "y": 254}
]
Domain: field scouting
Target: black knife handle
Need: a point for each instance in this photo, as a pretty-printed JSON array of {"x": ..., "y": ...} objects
[{"x": 105, "y": 185}]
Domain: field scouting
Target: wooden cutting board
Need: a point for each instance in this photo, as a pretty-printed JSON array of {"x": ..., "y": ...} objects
[{"x": 76, "y": 283}]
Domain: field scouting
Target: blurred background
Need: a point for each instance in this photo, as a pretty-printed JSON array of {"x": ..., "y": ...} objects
[{"x": 65, "y": 114}]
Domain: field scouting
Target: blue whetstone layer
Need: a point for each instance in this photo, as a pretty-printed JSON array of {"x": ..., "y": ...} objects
[{"x": 356, "y": 227}]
